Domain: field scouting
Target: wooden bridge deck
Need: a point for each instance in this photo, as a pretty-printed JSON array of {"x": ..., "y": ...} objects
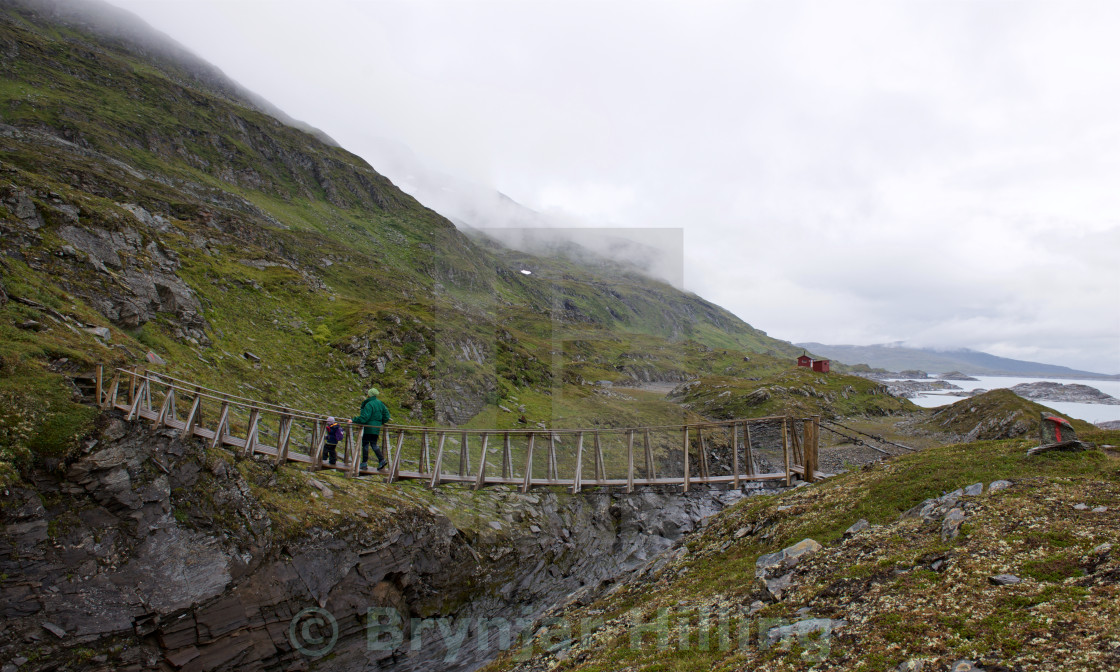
[{"x": 799, "y": 442}]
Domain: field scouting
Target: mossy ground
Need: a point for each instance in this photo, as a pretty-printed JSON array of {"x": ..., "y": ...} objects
[{"x": 881, "y": 581}]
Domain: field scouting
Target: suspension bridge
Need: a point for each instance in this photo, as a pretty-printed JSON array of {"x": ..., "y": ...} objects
[{"x": 731, "y": 452}]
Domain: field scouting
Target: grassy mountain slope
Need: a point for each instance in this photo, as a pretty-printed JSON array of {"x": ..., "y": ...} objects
[
  {"x": 905, "y": 591},
  {"x": 998, "y": 414},
  {"x": 164, "y": 208}
]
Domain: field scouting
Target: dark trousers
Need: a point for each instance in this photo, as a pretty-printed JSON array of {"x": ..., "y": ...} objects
[
  {"x": 371, "y": 441},
  {"x": 329, "y": 452}
]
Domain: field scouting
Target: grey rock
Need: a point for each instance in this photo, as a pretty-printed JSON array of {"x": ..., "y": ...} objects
[
  {"x": 1081, "y": 507},
  {"x": 21, "y": 205},
  {"x": 996, "y": 486},
  {"x": 756, "y": 606},
  {"x": 974, "y": 490},
  {"x": 742, "y": 532},
  {"x": 53, "y": 629},
  {"x": 251, "y": 357},
  {"x": 912, "y": 665},
  {"x": 1004, "y": 580},
  {"x": 1102, "y": 549},
  {"x": 824, "y": 626},
  {"x": 859, "y": 526},
  {"x": 779, "y": 586},
  {"x": 965, "y": 666},
  {"x": 155, "y": 359},
  {"x": 534, "y": 529},
  {"x": 1100, "y": 509},
  {"x": 951, "y": 525},
  {"x": 100, "y": 332},
  {"x": 495, "y": 524}
]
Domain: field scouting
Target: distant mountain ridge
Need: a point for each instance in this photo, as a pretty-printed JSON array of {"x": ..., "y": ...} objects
[{"x": 896, "y": 357}]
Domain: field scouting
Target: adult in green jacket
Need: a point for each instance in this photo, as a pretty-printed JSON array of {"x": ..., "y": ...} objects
[{"x": 374, "y": 414}]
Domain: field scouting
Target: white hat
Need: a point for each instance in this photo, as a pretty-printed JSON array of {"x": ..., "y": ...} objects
[{"x": 330, "y": 418}]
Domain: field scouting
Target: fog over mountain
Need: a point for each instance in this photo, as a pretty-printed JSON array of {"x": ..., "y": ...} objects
[{"x": 938, "y": 173}]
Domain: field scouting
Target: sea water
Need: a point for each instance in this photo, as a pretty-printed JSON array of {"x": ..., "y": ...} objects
[{"x": 1088, "y": 412}]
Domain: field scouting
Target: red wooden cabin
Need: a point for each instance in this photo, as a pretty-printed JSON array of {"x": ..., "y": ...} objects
[{"x": 820, "y": 365}]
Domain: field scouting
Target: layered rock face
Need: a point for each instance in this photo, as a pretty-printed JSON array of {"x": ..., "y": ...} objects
[{"x": 103, "y": 568}]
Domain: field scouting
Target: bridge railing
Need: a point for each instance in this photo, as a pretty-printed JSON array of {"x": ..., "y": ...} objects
[{"x": 732, "y": 452}]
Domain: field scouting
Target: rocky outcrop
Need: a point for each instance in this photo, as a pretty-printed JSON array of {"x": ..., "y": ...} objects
[
  {"x": 1048, "y": 391},
  {"x": 153, "y": 552}
]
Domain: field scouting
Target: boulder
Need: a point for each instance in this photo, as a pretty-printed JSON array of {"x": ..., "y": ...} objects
[
  {"x": 772, "y": 564},
  {"x": 823, "y": 626},
  {"x": 996, "y": 486},
  {"x": 100, "y": 332},
  {"x": 859, "y": 526},
  {"x": 951, "y": 524},
  {"x": 1004, "y": 580}
]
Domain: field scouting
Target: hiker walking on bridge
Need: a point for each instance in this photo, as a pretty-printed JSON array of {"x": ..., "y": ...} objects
[{"x": 374, "y": 413}]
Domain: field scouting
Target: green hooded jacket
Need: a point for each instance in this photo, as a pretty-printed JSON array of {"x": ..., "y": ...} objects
[{"x": 374, "y": 414}]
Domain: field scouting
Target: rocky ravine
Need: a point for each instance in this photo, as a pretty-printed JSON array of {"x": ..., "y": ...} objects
[{"x": 149, "y": 552}]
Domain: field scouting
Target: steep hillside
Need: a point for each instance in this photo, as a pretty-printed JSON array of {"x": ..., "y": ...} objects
[
  {"x": 974, "y": 555},
  {"x": 148, "y": 208}
]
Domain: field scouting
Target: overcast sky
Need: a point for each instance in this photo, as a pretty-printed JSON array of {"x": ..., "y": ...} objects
[{"x": 941, "y": 173}]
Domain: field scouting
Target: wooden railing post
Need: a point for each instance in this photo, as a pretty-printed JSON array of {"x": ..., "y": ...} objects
[
  {"x": 114, "y": 387},
  {"x": 528, "y": 482},
  {"x": 132, "y": 386},
  {"x": 686, "y": 469},
  {"x": 507, "y": 457},
  {"x": 812, "y": 438},
  {"x": 284, "y": 438},
  {"x": 251, "y": 432},
  {"x": 395, "y": 464},
  {"x": 629, "y": 461},
  {"x": 137, "y": 399},
  {"x": 748, "y": 451},
  {"x": 600, "y": 466},
  {"x": 651, "y": 471},
  {"x": 735, "y": 453},
  {"x": 318, "y": 443},
  {"x": 223, "y": 421},
  {"x": 424, "y": 465},
  {"x": 192, "y": 415},
  {"x": 703, "y": 456},
  {"x": 165, "y": 408},
  {"x": 438, "y": 466},
  {"x": 99, "y": 385},
  {"x": 464, "y": 457},
  {"x": 798, "y": 455},
  {"x": 577, "y": 481},
  {"x": 481, "y": 480},
  {"x": 353, "y": 452},
  {"x": 385, "y": 452},
  {"x": 147, "y": 394},
  {"x": 785, "y": 448},
  {"x": 553, "y": 470}
]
